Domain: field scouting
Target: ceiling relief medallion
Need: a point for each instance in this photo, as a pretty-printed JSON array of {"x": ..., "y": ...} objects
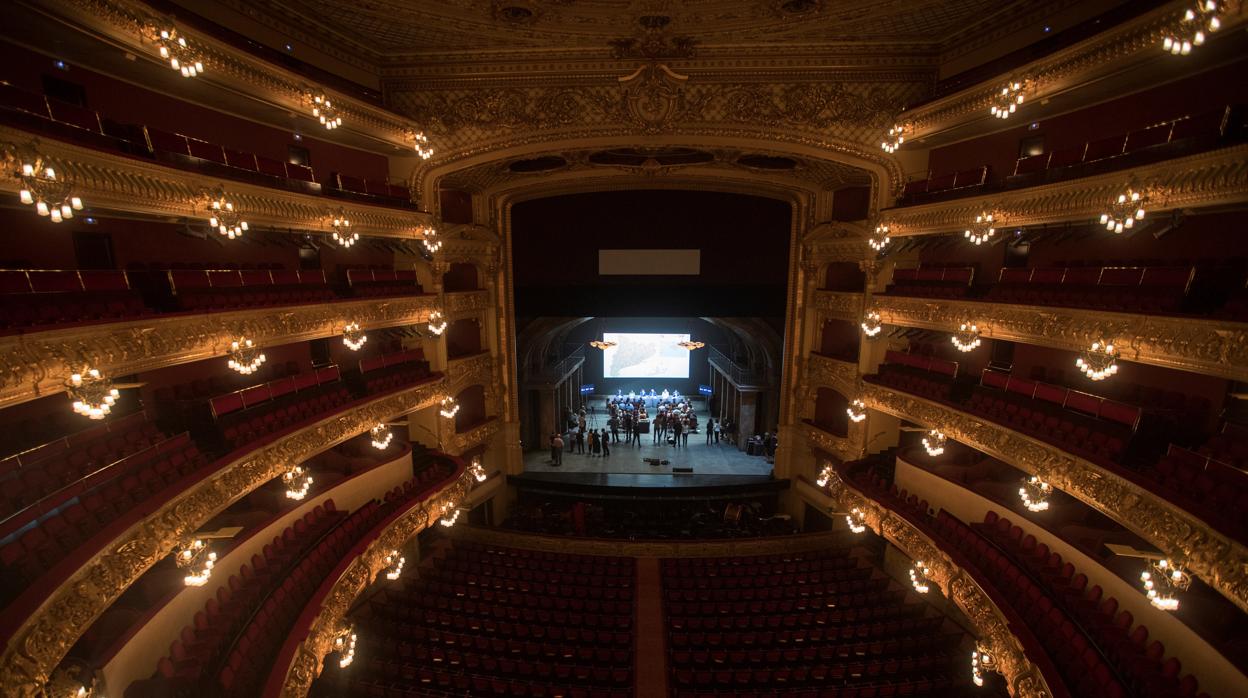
[{"x": 653, "y": 98}]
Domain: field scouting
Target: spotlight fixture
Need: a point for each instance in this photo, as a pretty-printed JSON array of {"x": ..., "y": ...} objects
[
  {"x": 450, "y": 514},
  {"x": 825, "y": 476},
  {"x": 856, "y": 519},
  {"x": 181, "y": 56},
  {"x": 450, "y": 407},
  {"x": 195, "y": 557},
  {"x": 430, "y": 239},
  {"x": 690, "y": 345},
  {"x": 394, "y": 565},
  {"x": 982, "y": 662},
  {"x": 1098, "y": 362},
  {"x": 92, "y": 394},
  {"x": 437, "y": 323},
  {"x": 223, "y": 216},
  {"x": 982, "y": 229},
  {"x": 1163, "y": 582},
  {"x": 1007, "y": 101},
  {"x": 966, "y": 338},
  {"x": 1035, "y": 494},
  {"x": 421, "y": 144},
  {"x": 879, "y": 239},
  {"x": 353, "y": 337},
  {"x": 602, "y": 344},
  {"x": 476, "y": 470},
  {"x": 934, "y": 442},
  {"x": 297, "y": 483},
  {"x": 341, "y": 226},
  {"x": 245, "y": 356},
  {"x": 1190, "y": 31},
  {"x": 872, "y": 323},
  {"x": 1124, "y": 211},
  {"x": 324, "y": 110},
  {"x": 896, "y": 136},
  {"x": 919, "y": 577},
  {"x": 344, "y": 645},
  {"x": 50, "y": 194},
  {"x": 857, "y": 411},
  {"x": 381, "y": 436}
]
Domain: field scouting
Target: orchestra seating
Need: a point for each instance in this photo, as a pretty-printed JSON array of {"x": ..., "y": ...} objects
[
  {"x": 41, "y": 298},
  {"x": 246, "y": 415},
  {"x": 797, "y": 622}
]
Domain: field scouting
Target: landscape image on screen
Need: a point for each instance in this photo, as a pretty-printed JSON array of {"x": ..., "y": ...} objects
[{"x": 645, "y": 355}]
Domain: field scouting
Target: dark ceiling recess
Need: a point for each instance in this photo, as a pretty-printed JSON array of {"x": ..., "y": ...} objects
[
  {"x": 767, "y": 162},
  {"x": 515, "y": 13},
  {"x": 635, "y": 157},
  {"x": 542, "y": 164},
  {"x": 799, "y": 7}
]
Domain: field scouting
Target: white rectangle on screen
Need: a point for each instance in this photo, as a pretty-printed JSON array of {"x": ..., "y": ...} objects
[
  {"x": 649, "y": 262},
  {"x": 637, "y": 355}
]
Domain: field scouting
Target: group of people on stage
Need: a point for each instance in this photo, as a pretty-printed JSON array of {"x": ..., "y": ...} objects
[{"x": 673, "y": 422}]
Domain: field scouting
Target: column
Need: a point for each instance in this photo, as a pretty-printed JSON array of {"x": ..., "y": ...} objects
[
  {"x": 546, "y": 417},
  {"x": 748, "y": 415}
]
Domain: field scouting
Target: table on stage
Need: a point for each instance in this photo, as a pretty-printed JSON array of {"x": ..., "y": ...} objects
[{"x": 649, "y": 399}]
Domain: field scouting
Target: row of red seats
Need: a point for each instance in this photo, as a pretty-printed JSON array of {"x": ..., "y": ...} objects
[
  {"x": 933, "y": 385},
  {"x": 46, "y": 297},
  {"x": 488, "y": 667},
  {"x": 205, "y": 291},
  {"x": 791, "y": 671},
  {"x": 1216, "y": 490},
  {"x": 965, "y": 181},
  {"x": 932, "y": 281},
  {"x": 933, "y": 685},
  {"x": 391, "y": 371},
  {"x": 493, "y": 616},
  {"x": 533, "y": 636},
  {"x": 276, "y": 412},
  {"x": 719, "y": 591},
  {"x": 539, "y": 559},
  {"x": 1139, "y": 289},
  {"x": 517, "y": 606},
  {"x": 445, "y": 683},
  {"x": 846, "y": 623},
  {"x": 374, "y": 283},
  {"x": 602, "y": 578},
  {"x": 713, "y": 647},
  {"x": 839, "y": 598}
]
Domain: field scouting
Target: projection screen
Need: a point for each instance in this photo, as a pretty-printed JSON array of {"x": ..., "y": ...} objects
[{"x": 645, "y": 355}]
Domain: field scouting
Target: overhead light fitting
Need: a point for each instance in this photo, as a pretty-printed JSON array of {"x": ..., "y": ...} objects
[
  {"x": 195, "y": 557},
  {"x": 394, "y": 565},
  {"x": 341, "y": 226},
  {"x": 223, "y": 216},
  {"x": 72, "y": 679},
  {"x": 690, "y": 345},
  {"x": 1163, "y": 582},
  {"x": 344, "y": 645},
  {"x": 934, "y": 442},
  {"x": 430, "y": 239},
  {"x": 450, "y": 407},
  {"x": 421, "y": 144},
  {"x": 297, "y": 483},
  {"x": 173, "y": 48},
  {"x": 857, "y": 411},
  {"x": 381, "y": 436},
  {"x": 437, "y": 323},
  {"x": 353, "y": 336},
  {"x": 324, "y": 110},
  {"x": 966, "y": 338},
  {"x": 880, "y": 238},
  {"x": 1035, "y": 494},
  {"x": 50, "y": 194},
  {"x": 245, "y": 356},
  {"x": 450, "y": 514},
  {"x": 982, "y": 662},
  {"x": 93, "y": 395},
  {"x": 825, "y": 476},
  {"x": 856, "y": 519},
  {"x": 1190, "y": 30},
  {"x": 1007, "y": 101},
  {"x": 919, "y": 577},
  {"x": 602, "y": 344},
  {"x": 1098, "y": 362},
  {"x": 982, "y": 229},
  {"x": 872, "y": 323},
  {"x": 476, "y": 470},
  {"x": 896, "y": 136},
  {"x": 1124, "y": 211}
]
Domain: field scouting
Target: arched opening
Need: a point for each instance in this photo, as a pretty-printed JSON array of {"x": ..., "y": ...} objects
[
  {"x": 461, "y": 276},
  {"x": 471, "y": 408},
  {"x": 839, "y": 340},
  {"x": 830, "y": 414},
  {"x": 844, "y": 276},
  {"x": 463, "y": 338}
]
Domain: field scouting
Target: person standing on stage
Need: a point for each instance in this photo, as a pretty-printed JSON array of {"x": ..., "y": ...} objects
[
  {"x": 606, "y": 444},
  {"x": 580, "y": 440},
  {"x": 614, "y": 423},
  {"x": 637, "y": 432},
  {"x": 684, "y": 435},
  {"x": 676, "y": 430},
  {"x": 710, "y": 430},
  {"x": 556, "y": 449},
  {"x": 657, "y": 426}
]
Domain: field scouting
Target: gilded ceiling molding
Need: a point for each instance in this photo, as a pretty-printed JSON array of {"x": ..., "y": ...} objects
[
  {"x": 839, "y": 305},
  {"x": 306, "y": 664},
  {"x": 36, "y": 364},
  {"x": 118, "y": 183},
  {"x": 43, "y": 638},
  {"x": 1221, "y": 562},
  {"x": 1201, "y": 345},
  {"x": 1213, "y": 178},
  {"x": 1133, "y": 42},
  {"x": 124, "y": 22},
  {"x": 827, "y": 372},
  {"x": 989, "y": 625},
  {"x": 802, "y": 542}
]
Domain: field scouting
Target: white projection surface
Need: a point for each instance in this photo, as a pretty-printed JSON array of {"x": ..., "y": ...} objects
[{"x": 638, "y": 355}]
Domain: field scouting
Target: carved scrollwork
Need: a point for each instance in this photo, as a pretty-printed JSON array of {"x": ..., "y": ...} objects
[
  {"x": 459, "y": 443},
  {"x": 848, "y": 448},
  {"x": 840, "y": 305},
  {"x": 841, "y": 376}
]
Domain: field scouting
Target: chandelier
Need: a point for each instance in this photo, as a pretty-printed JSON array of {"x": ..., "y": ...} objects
[
  {"x": 450, "y": 514},
  {"x": 1190, "y": 31},
  {"x": 245, "y": 356},
  {"x": 72, "y": 680},
  {"x": 982, "y": 662},
  {"x": 919, "y": 577},
  {"x": 1098, "y": 362},
  {"x": 857, "y": 411},
  {"x": 856, "y": 519},
  {"x": 429, "y": 238},
  {"x": 601, "y": 344},
  {"x": 1163, "y": 581},
  {"x": 344, "y": 645},
  {"x": 825, "y": 475},
  {"x": 872, "y": 323},
  {"x": 52, "y": 196},
  {"x": 324, "y": 110},
  {"x": 1124, "y": 211},
  {"x": 182, "y": 58},
  {"x": 896, "y": 136},
  {"x": 197, "y": 559},
  {"x": 450, "y": 407},
  {"x": 1035, "y": 494},
  {"x": 982, "y": 229},
  {"x": 476, "y": 470},
  {"x": 421, "y": 143},
  {"x": 353, "y": 337},
  {"x": 437, "y": 324},
  {"x": 297, "y": 484},
  {"x": 934, "y": 442},
  {"x": 342, "y": 229},
  {"x": 879, "y": 239},
  {"x": 966, "y": 338},
  {"x": 381, "y": 436},
  {"x": 690, "y": 345},
  {"x": 93, "y": 395},
  {"x": 223, "y": 217},
  {"x": 394, "y": 565},
  {"x": 1007, "y": 101}
]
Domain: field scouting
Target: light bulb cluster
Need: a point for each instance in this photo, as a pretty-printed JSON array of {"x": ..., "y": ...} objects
[
  {"x": 450, "y": 407},
  {"x": 966, "y": 338},
  {"x": 880, "y": 238},
  {"x": 934, "y": 442},
  {"x": 601, "y": 344},
  {"x": 1163, "y": 582},
  {"x": 353, "y": 337},
  {"x": 856, "y": 519},
  {"x": 690, "y": 345},
  {"x": 450, "y": 514},
  {"x": 394, "y": 565},
  {"x": 324, "y": 110},
  {"x": 872, "y": 323},
  {"x": 342, "y": 229},
  {"x": 429, "y": 238},
  {"x": 1098, "y": 362},
  {"x": 93, "y": 395},
  {"x": 982, "y": 662},
  {"x": 919, "y": 577},
  {"x": 896, "y": 136},
  {"x": 476, "y": 470},
  {"x": 173, "y": 48},
  {"x": 224, "y": 217},
  {"x": 437, "y": 323},
  {"x": 195, "y": 557},
  {"x": 1190, "y": 31},
  {"x": 1035, "y": 494},
  {"x": 344, "y": 645},
  {"x": 50, "y": 194},
  {"x": 381, "y": 436},
  {"x": 421, "y": 144},
  {"x": 245, "y": 357},
  {"x": 982, "y": 229},
  {"x": 857, "y": 411},
  {"x": 825, "y": 476},
  {"x": 297, "y": 483},
  {"x": 1124, "y": 211},
  {"x": 1008, "y": 100}
]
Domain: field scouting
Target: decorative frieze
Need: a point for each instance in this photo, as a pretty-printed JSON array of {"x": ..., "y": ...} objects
[
  {"x": 838, "y": 305},
  {"x": 848, "y": 448},
  {"x": 825, "y": 371}
]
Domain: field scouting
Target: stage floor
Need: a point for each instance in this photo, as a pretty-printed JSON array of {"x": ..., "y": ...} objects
[{"x": 714, "y": 459}]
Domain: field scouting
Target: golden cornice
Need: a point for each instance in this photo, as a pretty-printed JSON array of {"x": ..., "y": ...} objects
[
  {"x": 1221, "y": 562},
  {"x": 44, "y": 637},
  {"x": 840, "y": 305},
  {"x": 1201, "y": 345},
  {"x": 989, "y": 625},
  {"x": 119, "y": 183},
  {"x": 1213, "y": 178},
  {"x": 472, "y": 370},
  {"x": 835, "y": 242},
  {"x": 36, "y": 364}
]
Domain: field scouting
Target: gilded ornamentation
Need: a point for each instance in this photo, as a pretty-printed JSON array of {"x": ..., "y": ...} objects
[
  {"x": 847, "y": 449},
  {"x": 824, "y": 371},
  {"x": 1221, "y": 562},
  {"x": 1202, "y": 345},
  {"x": 459, "y": 443},
  {"x": 840, "y": 305},
  {"x": 811, "y": 105}
]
